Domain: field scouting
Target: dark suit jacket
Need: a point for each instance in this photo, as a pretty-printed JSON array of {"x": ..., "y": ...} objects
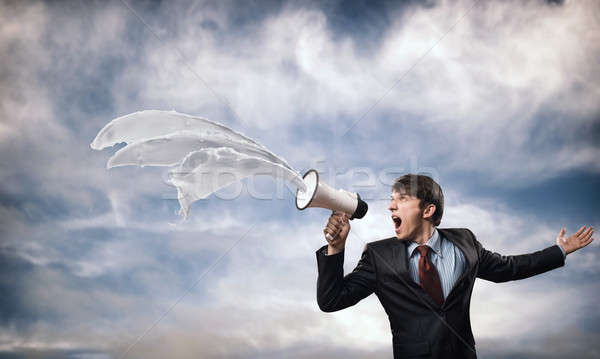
[{"x": 420, "y": 327}]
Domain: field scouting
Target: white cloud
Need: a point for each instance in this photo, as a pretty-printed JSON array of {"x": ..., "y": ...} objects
[
  {"x": 487, "y": 86},
  {"x": 262, "y": 295},
  {"x": 477, "y": 95}
]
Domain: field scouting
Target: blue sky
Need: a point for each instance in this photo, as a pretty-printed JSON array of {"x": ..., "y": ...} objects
[{"x": 498, "y": 101}]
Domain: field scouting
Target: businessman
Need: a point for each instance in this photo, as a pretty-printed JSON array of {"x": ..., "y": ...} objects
[{"x": 424, "y": 275}]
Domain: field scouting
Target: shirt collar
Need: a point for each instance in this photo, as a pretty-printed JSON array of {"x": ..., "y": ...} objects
[{"x": 434, "y": 242}]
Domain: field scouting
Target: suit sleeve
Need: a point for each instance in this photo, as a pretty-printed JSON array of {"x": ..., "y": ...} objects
[
  {"x": 498, "y": 268},
  {"x": 336, "y": 291}
]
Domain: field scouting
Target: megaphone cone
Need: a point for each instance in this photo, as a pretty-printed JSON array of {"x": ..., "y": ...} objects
[{"x": 320, "y": 194}]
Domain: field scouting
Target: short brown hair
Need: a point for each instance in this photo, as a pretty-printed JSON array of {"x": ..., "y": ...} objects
[{"x": 424, "y": 188}]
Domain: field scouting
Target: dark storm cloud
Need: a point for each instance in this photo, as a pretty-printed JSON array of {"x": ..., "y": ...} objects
[{"x": 14, "y": 272}]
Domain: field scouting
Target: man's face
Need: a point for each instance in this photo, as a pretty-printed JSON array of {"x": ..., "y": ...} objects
[{"x": 406, "y": 215}]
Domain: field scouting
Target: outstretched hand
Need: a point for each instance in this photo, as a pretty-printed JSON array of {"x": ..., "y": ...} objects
[{"x": 580, "y": 239}]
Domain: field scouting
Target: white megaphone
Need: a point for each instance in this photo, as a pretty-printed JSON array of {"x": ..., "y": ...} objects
[{"x": 320, "y": 194}]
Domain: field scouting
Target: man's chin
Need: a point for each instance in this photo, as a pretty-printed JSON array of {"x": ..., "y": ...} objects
[{"x": 400, "y": 236}]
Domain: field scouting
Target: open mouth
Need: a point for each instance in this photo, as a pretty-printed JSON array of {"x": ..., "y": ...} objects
[{"x": 397, "y": 221}]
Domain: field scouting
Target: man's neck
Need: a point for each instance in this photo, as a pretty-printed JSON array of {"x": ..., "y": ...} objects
[{"x": 424, "y": 234}]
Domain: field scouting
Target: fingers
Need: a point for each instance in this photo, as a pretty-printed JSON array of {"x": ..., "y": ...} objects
[
  {"x": 338, "y": 219},
  {"x": 583, "y": 236},
  {"x": 333, "y": 227},
  {"x": 340, "y": 216},
  {"x": 329, "y": 237},
  {"x": 580, "y": 231},
  {"x": 337, "y": 222},
  {"x": 333, "y": 230},
  {"x": 587, "y": 234},
  {"x": 587, "y": 239}
]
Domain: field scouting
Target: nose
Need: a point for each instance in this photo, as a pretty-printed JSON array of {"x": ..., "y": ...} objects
[{"x": 392, "y": 206}]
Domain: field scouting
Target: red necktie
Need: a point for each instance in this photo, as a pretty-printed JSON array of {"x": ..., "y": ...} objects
[{"x": 429, "y": 277}]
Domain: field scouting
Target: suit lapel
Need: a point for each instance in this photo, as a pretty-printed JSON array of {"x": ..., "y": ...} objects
[
  {"x": 400, "y": 268},
  {"x": 463, "y": 244},
  {"x": 400, "y": 260},
  {"x": 468, "y": 251}
]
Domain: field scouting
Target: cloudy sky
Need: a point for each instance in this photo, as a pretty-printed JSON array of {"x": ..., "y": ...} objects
[{"x": 498, "y": 101}]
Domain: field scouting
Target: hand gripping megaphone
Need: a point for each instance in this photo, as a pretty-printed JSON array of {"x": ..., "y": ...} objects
[{"x": 320, "y": 194}]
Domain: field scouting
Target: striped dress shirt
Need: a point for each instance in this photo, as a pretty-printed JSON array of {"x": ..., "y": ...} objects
[{"x": 445, "y": 256}]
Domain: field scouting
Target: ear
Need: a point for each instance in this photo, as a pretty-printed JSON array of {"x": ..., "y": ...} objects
[{"x": 429, "y": 211}]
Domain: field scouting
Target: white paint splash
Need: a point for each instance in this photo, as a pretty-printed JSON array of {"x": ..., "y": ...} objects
[{"x": 201, "y": 151}]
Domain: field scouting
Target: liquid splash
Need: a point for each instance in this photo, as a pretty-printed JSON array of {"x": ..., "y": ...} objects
[{"x": 199, "y": 151}]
